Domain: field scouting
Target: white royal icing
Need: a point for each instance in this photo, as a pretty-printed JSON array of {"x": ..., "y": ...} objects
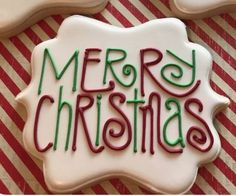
[{"x": 68, "y": 170}]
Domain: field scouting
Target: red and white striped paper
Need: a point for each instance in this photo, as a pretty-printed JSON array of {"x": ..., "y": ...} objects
[{"x": 22, "y": 173}]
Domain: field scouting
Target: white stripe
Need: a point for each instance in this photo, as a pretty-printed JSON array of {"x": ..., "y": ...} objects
[
  {"x": 223, "y": 86},
  {"x": 119, "y": 6},
  {"x": 222, "y": 179},
  {"x": 131, "y": 186},
  {"x": 26, "y": 41},
  {"x": 88, "y": 191},
  {"x": 110, "y": 18},
  {"x": 109, "y": 188},
  {"x": 11, "y": 126},
  {"x": 217, "y": 38},
  {"x": 233, "y": 15},
  {"x": 203, "y": 184},
  {"x": 162, "y": 8},
  {"x": 16, "y": 54},
  {"x": 9, "y": 123},
  {"x": 226, "y": 133},
  {"x": 12, "y": 74},
  {"x": 224, "y": 25},
  {"x": 218, "y": 59},
  {"x": 227, "y": 159},
  {"x": 144, "y": 10},
  {"x": 52, "y": 23},
  {"x": 39, "y": 32},
  {"x": 230, "y": 115},
  {"x": 8, "y": 182},
  {"x": 20, "y": 166},
  {"x": 17, "y": 134},
  {"x": 10, "y": 98}
]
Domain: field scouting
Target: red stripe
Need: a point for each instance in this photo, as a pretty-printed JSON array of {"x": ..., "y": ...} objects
[
  {"x": 224, "y": 75},
  {"x": 3, "y": 188},
  {"x": 228, "y": 147},
  {"x": 101, "y": 18},
  {"x": 8, "y": 82},
  {"x": 225, "y": 144},
  {"x": 23, "y": 155},
  {"x": 158, "y": 13},
  {"x": 47, "y": 29},
  {"x": 98, "y": 189},
  {"x": 139, "y": 15},
  {"x": 123, "y": 20},
  {"x": 58, "y": 18},
  {"x": 229, "y": 19},
  {"x": 227, "y": 123},
  {"x": 152, "y": 8},
  {"x": 120, "y": 187},
  {"x": 14, "y": 64},
  {"x": 33, "y": 36},
  {"x": 166, "y": 4},
  {"x": 210, "y": 42},
  {"x": 196, "y": 190},
  {"x": 15, "y": 175},
  {"x": 212, "y": 181},
  {"x": 146, "y": 192},
  {"x": 224, "y": 168},
  {"x": 21, "y": 47},
  {"x": 217, "y": 89},
  {"x": 11, "y": 112},
  {"x": 220, "y": 31}
]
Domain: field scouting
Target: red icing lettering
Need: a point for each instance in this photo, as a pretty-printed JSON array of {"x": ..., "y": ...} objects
[
  {"x": 80, "y": 112},
  {"x": 144, "y": 110},
  {"x": 144, "y": 67},
  {"x": 201, "y": 137},
  {"x": 87, "y": 59},
  {"x": 121, "y": 123},
  {"x": 50, "y": 144}
]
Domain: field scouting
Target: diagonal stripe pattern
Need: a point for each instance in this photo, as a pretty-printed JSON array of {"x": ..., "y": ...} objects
[{"x": 22, "y": 173}]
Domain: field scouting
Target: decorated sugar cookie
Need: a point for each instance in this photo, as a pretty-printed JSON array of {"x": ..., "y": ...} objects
[
  {"x": 17, "y": 15},
  {"x": 200, "y": 9},
  {"x": 106, "y": 101}
]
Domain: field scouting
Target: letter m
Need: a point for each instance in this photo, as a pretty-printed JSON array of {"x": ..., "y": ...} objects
[{"x": 58, "y": 74}]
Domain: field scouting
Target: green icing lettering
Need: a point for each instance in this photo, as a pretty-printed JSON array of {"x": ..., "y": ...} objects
[
  {"x": 57, "y": 73},
  {"x": 126, "y": 70},
  {"x": 135, "y": 101},
  {"x": 177, "y": 115},
  {"x": 99, "y": 97},
  {"x": 62, "y": 104},
  {"x": 179, "y": 69}
]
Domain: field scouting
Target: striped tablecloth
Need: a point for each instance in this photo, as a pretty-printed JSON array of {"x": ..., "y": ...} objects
[{"x": 22, "y": 173}]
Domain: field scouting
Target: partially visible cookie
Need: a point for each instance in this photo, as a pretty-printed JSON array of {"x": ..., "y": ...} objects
[
  {"x": 191, "y": 9},
  {"x": 16, "y": 15}
]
